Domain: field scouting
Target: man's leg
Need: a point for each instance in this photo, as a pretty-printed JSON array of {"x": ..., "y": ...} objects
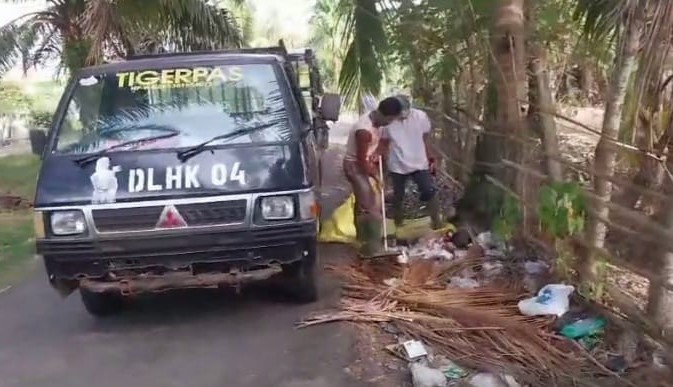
[
  {"x": 367, "y": 213},
  {"x": 399, "y": 182},
  {"x": 428, "y": 190}
]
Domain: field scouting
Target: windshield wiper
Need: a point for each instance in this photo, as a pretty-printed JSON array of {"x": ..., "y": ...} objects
[
  {"x": 83, "y": 161},
  {"x": 196, "y": 149}
]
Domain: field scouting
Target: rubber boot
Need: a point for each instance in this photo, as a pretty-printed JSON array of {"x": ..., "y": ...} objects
[
  {"x": 398, "y": 213},
  {"x": 373, "y": 245},
  {"x": 435, "y": 212}
]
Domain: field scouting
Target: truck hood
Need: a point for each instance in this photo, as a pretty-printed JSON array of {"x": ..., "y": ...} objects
[{"x": 151, "y": 175}]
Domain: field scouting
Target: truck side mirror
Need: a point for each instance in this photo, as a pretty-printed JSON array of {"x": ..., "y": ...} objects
[
  {"x": 38, "y": 141},
  {"x": 330, "y": 107}
]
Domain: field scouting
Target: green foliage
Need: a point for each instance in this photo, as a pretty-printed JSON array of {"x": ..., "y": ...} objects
[
  {"x": 13, "y": 100},
  {"x": 509, "y": 218},
  {"x": 40, "y": 119},
  {"x": 83, "y": 32},
  {"x": 562, "y": 209}
]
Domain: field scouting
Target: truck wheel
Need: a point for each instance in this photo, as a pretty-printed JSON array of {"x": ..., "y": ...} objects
[
  {"x": 101, "y": 304},
  {"x": 301, "y": 278}
]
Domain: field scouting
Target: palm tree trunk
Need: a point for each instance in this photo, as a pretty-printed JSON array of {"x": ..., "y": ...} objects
[
  {"x": 503, "y": 114},
  {"x": 660, "y": 298},
  {"x": 606, "y": 151},
  {"x": 541, "y": 103}
]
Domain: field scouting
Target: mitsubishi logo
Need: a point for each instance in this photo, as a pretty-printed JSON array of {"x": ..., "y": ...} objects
[{"x": 171, "y": 218}]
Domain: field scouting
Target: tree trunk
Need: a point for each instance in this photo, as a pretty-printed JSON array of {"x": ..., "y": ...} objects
[
  {"x": 541, "y": 103},
  {"x": 586, "y": 80},
  {"x": 606, "y": 151},
  {"x": 660, "y": 299},
  {"x": 503, "y": 122}
]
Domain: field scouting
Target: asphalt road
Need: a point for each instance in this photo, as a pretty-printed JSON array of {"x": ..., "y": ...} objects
[{"x": 198, "y": 338}]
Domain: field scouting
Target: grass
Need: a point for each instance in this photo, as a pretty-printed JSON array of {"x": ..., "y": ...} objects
[
  {"x": 18, "y": 175},
  {"x": 16, "y": 246}
]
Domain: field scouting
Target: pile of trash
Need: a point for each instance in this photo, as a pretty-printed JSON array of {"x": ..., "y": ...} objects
[{"x": 461, "y": 314}]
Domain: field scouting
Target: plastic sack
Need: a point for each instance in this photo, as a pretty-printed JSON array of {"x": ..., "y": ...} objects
[
  {"x": 340, "y": 227},
  {"x": 550, "y": 300}
]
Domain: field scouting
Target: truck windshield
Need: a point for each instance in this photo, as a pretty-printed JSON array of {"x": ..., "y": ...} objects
[{"x": 197, "y": 103}]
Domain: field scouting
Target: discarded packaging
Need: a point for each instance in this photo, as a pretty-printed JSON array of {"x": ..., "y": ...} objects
[
  {"x": 492, "y": 269},
  {"x": 584, "y": 327},
  {"x": 535, "y": 267},
  {"x": 393, "y": 282},
  {"x": 550, "y": 300},
  {"x": 414, "y": 349},
  {"x": 485, "y": 379},
  {"x": 424, "y": 376},
  {"x": 450, "y": 369},
  {"x": 463, "y": 283}
]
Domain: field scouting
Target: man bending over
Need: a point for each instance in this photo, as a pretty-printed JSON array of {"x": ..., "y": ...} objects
[
  {"x": 406, "y": 145},
  {"x": 360, "y": 168}
]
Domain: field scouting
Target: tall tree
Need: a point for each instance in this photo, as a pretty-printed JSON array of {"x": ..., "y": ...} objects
[
  {"x": 606, "y": 151},
  {"x": 86, "y": 32}
]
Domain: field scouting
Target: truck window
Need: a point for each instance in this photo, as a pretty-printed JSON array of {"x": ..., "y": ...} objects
[{"x": 199, "y": 102}]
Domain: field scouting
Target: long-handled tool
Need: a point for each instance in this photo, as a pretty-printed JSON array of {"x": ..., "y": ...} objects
[{"x": 383, "y": 205}]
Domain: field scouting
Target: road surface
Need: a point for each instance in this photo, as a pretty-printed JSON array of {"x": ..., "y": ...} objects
[{"x": 198, "y": 338}]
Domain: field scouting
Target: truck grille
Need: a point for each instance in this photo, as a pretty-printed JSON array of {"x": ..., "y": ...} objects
[{"x": 146, "y": 218}]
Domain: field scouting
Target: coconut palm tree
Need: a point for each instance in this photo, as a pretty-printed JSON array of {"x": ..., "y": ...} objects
[{"x": 86, "y": 32}]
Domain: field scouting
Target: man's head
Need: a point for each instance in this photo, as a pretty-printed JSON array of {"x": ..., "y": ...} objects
[{"x": 388, "y": 110}]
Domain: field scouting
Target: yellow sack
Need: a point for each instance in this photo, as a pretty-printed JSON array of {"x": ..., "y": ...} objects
[{"x": 340, "y": 227}]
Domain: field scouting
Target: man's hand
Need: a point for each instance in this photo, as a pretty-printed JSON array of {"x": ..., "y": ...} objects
[{"x": 432, "y": 165}]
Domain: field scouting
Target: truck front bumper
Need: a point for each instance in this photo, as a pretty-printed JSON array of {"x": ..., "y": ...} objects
[{"x": 193, "y": 250}]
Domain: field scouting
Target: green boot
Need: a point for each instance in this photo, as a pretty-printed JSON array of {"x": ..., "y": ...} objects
[
  {"x": 435, "y": 212},
  {"x": 373, "y": 243},
  {"x": 398, "y": 213}
]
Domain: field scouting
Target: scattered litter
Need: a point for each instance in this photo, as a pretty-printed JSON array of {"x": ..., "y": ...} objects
[
  {"x": 6, "y": 288},
  {"x": 584, "y": 327},
  {"x": 550, "y": 300},
  {"x": 485, "y": 379},
  {"x": 403, "y": 258},
  {"x": 535, "y": 267},
  {"x": 414, "y": 349},
  {"x": 450, "y": 369},
  {"x": 424, "y": 376},
  {"x": 463, "y": 283},
  {"x": 492, "y": 269},
  {"x": 393, "y": 282},
  {"x": 489, "y": 241}
]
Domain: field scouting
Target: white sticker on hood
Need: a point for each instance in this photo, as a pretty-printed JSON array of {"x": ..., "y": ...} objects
[
  {"x": 90, "y": 81},
  {"x": 104, "y": 182}
]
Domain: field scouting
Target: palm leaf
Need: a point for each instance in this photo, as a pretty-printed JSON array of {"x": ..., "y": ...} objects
[{"x": 362, "y": 70}]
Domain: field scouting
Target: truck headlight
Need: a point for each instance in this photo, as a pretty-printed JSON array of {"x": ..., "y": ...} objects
[
  {"x": 67, "y": 222},
  {"x": 277, "y": 207}
]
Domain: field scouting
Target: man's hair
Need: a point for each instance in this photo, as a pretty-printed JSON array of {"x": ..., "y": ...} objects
[
  {"x": 406, "y": 104},
  {"x": 390, "y": 107}
]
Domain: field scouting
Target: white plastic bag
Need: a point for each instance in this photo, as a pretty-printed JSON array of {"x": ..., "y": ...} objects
[{"x": 551, "y": 299}]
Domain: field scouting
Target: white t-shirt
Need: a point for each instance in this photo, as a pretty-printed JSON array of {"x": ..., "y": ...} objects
[
  {"x": 407, "y": 149},
  {"x": 363, "y": 123}
]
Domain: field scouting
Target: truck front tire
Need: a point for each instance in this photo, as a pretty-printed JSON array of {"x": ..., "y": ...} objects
[
  {"x": 101, "y": 304},
  {"x": 301, "y": 278}
]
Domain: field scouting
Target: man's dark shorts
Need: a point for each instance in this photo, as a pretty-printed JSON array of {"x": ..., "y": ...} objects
[{"x": 423, "y": 180}]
